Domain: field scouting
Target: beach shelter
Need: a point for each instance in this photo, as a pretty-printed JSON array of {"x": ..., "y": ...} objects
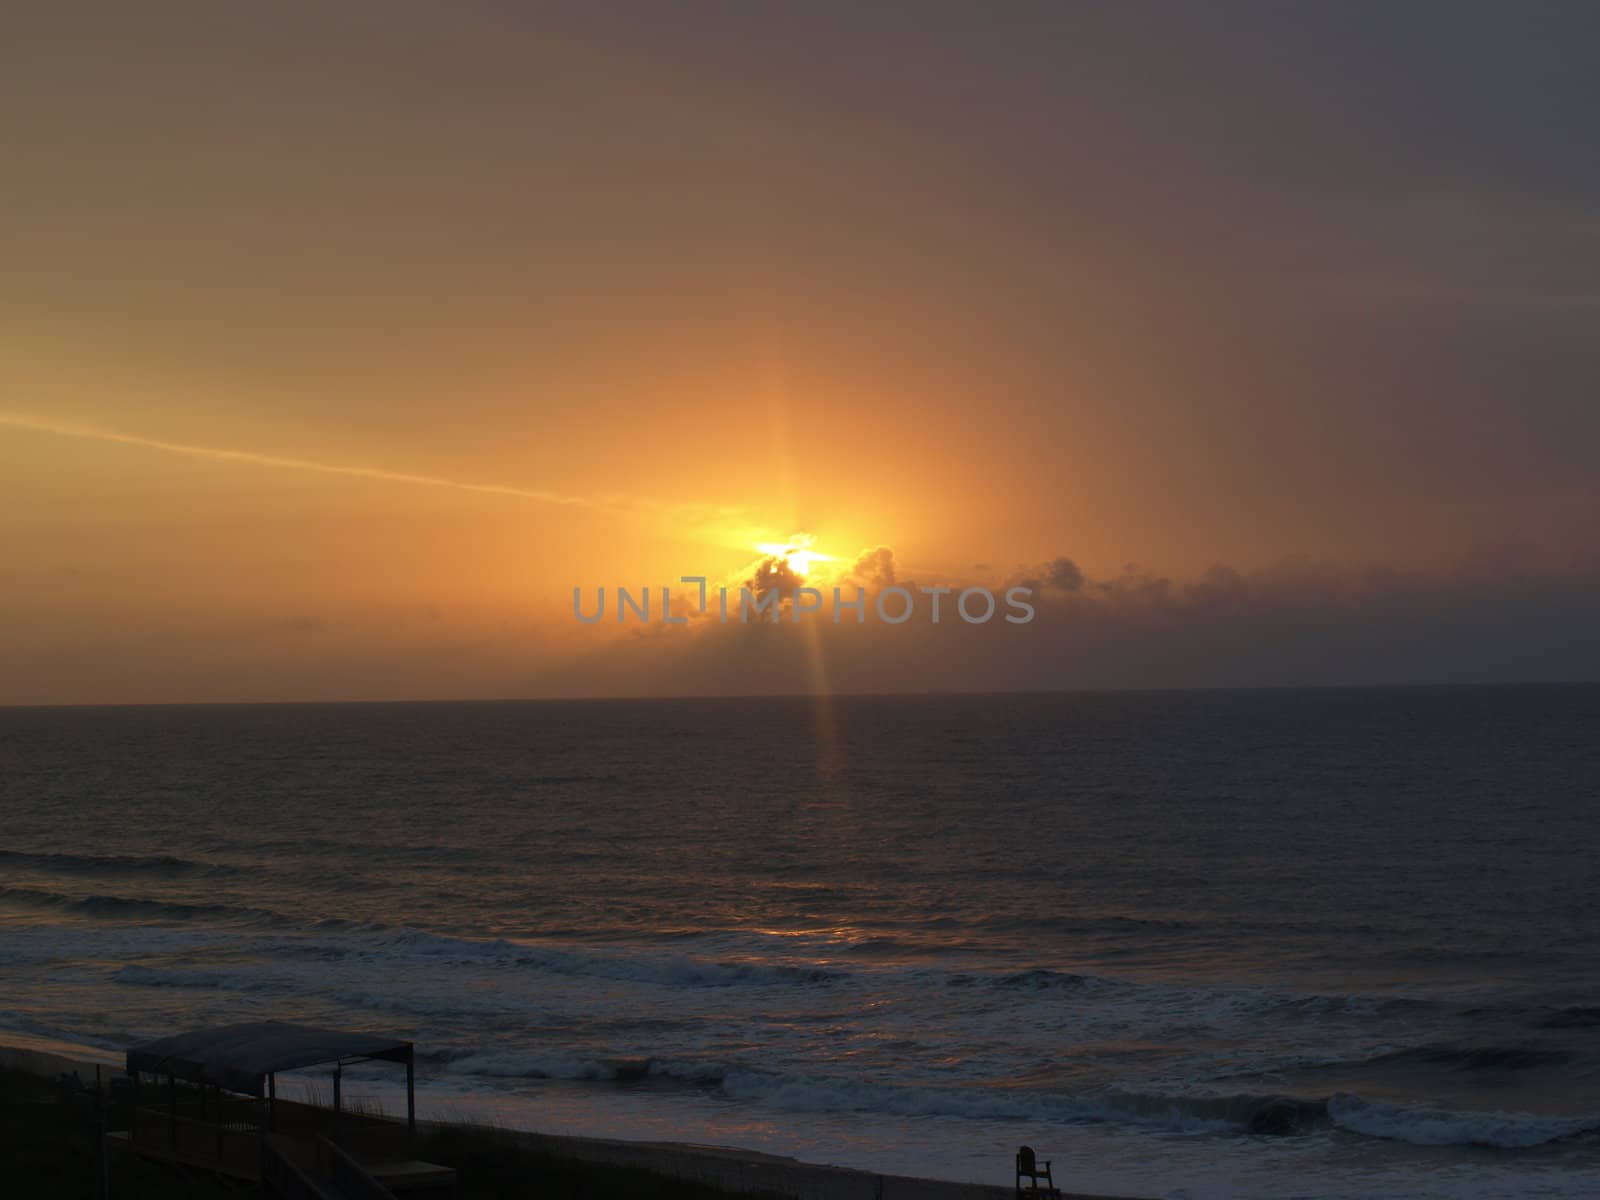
[{"x": 246, "y": 1059}]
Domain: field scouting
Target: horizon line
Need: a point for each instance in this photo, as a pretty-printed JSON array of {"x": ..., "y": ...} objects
[{"x": 678, "y": 698}]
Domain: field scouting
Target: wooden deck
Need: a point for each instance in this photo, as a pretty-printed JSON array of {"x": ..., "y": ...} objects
[
  {"x": 334, "y": 1150},
  {"x": 190, "y": 1143}
]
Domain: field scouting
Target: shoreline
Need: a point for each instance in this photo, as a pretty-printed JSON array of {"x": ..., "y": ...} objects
[
  {"x": 727, "y": 1170},
  {"x": 751, "y": 1172}
]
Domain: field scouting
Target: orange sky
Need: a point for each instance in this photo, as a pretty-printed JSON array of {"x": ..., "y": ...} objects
[{"x": 958, "y": 287}]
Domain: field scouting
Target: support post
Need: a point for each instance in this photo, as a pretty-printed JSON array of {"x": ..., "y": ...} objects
[
  {"x": 172, "y": 1111},
  {"x": 272, "y": 1100},
  {"x": 102, "y": 1120},
  {"x": 411, "y": 1100},
  {"x": 338, "y": 1071}
]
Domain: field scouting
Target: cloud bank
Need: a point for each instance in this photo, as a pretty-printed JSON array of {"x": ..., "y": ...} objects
[{"x": 1507, "y": 616}]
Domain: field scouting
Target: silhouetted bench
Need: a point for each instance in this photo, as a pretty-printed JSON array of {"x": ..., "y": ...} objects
[{"x": 1035, "y": 1172}]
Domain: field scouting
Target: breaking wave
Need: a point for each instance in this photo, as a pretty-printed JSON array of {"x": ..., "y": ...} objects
[
  {"x": 1245, "y": 1113},
  {"x": 1421, "y": 1125}
]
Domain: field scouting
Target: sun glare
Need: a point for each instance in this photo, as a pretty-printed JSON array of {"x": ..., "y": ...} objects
[{"x": 797, "y": 552}]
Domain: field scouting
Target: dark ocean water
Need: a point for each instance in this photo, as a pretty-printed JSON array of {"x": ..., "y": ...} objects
[{"x": 1318, "y": 943}]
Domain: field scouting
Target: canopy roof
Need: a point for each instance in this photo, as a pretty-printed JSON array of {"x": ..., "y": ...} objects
[{"x": 240, "y": 1057}]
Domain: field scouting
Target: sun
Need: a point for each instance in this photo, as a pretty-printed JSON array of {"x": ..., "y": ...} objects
[{"x": 797, "y": 552}]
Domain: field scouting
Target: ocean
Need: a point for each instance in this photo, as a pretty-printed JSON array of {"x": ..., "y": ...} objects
[{"x": 1317, "y": 943}]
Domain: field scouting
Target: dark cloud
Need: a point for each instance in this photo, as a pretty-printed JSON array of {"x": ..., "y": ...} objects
[
  {"x": 1063, "y": 575},
  {"x": 1498, "y": 618},
  {"x": 1060, "y": 575},
  {"x": 874, "y": 568},
  {"x": 774, "y": 574}
]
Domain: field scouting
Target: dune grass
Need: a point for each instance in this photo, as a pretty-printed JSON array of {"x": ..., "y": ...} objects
[{"x": 50, "y": 1150}]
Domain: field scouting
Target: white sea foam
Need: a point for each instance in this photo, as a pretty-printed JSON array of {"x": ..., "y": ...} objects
[
  {"x": 514, "y": 1065},
  {"x": 1421, "y": 1125}
]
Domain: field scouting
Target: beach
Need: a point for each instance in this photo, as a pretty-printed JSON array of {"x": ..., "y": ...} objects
[{"x": 487, "y": 1159}]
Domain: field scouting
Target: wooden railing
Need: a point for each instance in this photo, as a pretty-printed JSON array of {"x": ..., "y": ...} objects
[
  {"x": 336, "y": 1176},
  {"x": 281, "y": 1177},
  {"x": 226, "y": 1148},
  {"x": 350, "y": 1179}
]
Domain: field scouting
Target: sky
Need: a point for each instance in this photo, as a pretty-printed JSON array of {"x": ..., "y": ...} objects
[{"x": 340, "y": 343}]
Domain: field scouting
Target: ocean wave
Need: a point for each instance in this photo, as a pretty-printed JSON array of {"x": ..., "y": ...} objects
[
  {"x": 1167, "y": 1002},
  {"x": 1232, "y": 1114},
  {"x": 1475, "y": 1058},
  {"x": 432, "y": 1007},
  {"x": 336, "y": 939},
  {"x": 1245, "y": 1113},
  {"x": 1107, "y": 931},
  {"x": 143, "y": 976},
  {"x": 665, "y": 970},
  {"x": 1421, "y": 1125},
  {"x": 164, "y": 866},
  {"x": 1574, "y": 1017},
  {"x": 1182, "y": 1005},
  {"x": 41, "y": 944},
  {"x": 682, "y": 971},
  {"x": 512, "y": 1065},
  {"x": 134, "y": 908},
  {"x": 1037, "y": 979}
]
